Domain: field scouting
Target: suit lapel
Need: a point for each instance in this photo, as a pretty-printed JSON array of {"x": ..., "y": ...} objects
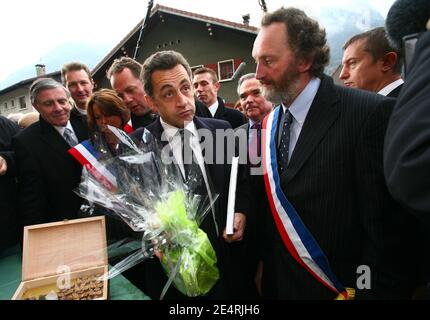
[
  {"x": 52, "y": 138},
  {"x": 157, "y": 130},
  {"x": 212, "y": 170},
  {"x": 219, "y": 114},
  {"x": 323, "y": 112},
  {"x": 79, "y": 126}
]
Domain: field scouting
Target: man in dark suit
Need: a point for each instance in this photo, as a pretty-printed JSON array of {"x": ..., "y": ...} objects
[
  {"x": 124, "y": 78},
  {"x": 47, "y": 173},
  {"x": 326, "y": 152},
  {"x": 166, "y": 76},
  {"x": 206, "y": 86},
  {"x": 371, "y": 63},
  {"x": 252, "y": 101},
  {"x": 8, "y": 214}
]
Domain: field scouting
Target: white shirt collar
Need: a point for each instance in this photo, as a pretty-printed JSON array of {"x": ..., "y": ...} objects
[
  {"x": 171, "y": 131},
  {"x": 388, "y": 88},
  {"x": 62, "y": 129},
  {"x": 81, "y": 111},
  {"x": 300, "y": 107},
  {"x": 251, "y": 122},
  {"x": 214, "y": 107}
]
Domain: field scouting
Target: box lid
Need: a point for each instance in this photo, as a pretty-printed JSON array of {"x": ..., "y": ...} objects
[{"x": 53, "y": 248}]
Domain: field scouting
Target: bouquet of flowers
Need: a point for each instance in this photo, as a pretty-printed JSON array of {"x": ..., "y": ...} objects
[{"x": 146, "y": 189}]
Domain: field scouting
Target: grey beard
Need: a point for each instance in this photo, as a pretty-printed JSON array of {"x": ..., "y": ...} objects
[
  {"x": 285, "y": 96},
  {"x": 274, "y": 96}
]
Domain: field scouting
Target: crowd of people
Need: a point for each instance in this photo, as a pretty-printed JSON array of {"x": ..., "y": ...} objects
[{"x": 330, "y": 204}]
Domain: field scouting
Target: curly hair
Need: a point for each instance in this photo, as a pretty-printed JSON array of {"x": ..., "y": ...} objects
[{"x": 305, "y": 37}]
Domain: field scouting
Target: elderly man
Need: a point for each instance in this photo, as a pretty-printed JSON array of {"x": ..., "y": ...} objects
[
  {"x": 124, "y": 78},
  {"x": 206, "y": 86},
  {"x": 77, "y": 79},
  {"x": 333, "y": 228},
  {"x": 370, "y": 63},
  {"x": 47, "y": 174},
  {"x": 256, "y": 107},
  {"x": 166, "y": 76}
]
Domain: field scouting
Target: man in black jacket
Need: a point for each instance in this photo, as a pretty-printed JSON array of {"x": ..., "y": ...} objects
[
  {"x": 124, "y": 78},
  {"x": 47, "y": 173},
  {"x": 166, "y": 76},
  {"x": 206, "y": 86},
  {"x": 8, "y": 214}
]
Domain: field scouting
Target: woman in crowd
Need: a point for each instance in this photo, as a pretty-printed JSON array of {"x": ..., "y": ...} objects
[{"x": 106, "y": 108}]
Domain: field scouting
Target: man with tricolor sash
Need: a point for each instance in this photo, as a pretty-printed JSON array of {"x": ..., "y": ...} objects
[{"x": 332, "y": 231}]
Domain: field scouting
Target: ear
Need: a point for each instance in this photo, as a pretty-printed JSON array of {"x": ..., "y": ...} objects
[
  {"x": 388, "y": 61},
  {"x": 304, "y": 65},
  {"x": 217, "y": 85},
  {"x": 35, "y": 106}
]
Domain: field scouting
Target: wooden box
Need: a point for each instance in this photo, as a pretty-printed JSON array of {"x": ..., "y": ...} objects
[{"x": 59, "y": 255}]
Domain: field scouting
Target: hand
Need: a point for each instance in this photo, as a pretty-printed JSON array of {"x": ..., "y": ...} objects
[
  {"x": 238, "y": 228},
  {"x": 3, "y": 166}
]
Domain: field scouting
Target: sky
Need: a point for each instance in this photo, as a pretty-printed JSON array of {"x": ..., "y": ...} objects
[{"x": 29, "y": 29}]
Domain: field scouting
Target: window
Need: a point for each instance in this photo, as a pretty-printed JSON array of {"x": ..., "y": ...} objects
[
  {"x": 5, "y": 105},
  {"x": 225, "y": 70},
  {"x": 12, "y": 103},
  {"x": 22, "y": 103}
]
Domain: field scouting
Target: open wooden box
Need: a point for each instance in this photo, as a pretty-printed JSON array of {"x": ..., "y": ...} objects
[{"x": 57, "y": 255}]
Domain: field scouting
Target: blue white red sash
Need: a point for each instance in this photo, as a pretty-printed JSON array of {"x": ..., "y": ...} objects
[
  {"x": 85, "y": 153},
  {"x": 128, "y": 127},
  {"x": 296, "y": 237}
]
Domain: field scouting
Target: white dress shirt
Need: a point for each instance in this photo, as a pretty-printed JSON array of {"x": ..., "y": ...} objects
[
  {"x": 213, "y": 108},
  {"x": 176, "y": 146},
  {"x": 68, "y": 126},
  {"x": 299, "y": 110},
  {"x": 388, "y": 88}
]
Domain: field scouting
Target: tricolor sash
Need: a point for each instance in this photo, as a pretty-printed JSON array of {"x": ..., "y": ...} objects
[
  {"x": 128, "y": 127},
  {"x": 296, "y": 237},
  {"x": 85, "y": 153}
]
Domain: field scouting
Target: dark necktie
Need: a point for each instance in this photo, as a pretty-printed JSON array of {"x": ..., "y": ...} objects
[
  {"x": 284, "y": 145},
  {"x": 68, "y": 136},
  {"x": 254, "y": 150},
  {"x": 193, "y": 174}
]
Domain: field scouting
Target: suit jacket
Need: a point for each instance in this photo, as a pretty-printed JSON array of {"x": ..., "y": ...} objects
[
  {"x": 142, "y": 121},
  {"x": 219, "y": 174},
  {"x": 407, "y": 147},
  {"x": 47, "y": 173},
  {"x": 407, "y": 143},
  {"x": 252, "y": 251},
  {"x": 335, "y": 181},
  {"x": 8, "y": 223},
  {"x": 395, "y": 92},
  {"x": 234, "y": 117}
]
